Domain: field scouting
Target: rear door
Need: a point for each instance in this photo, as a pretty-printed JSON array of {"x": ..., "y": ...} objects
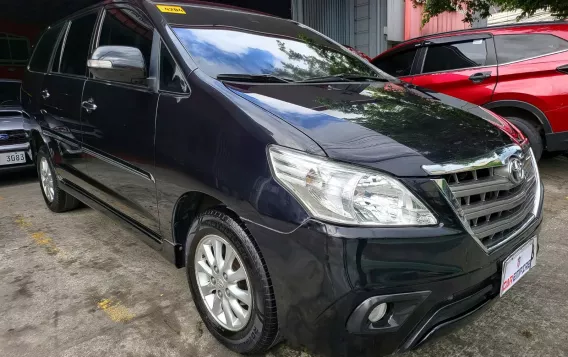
[
  {"x": 35, "y": 72},
  {"x": 61, "y": 96},
  {"x": 464, "y": 67},
  {"x": 398, "y": 63},
  {"x": 120, "y": 146},
  {"x": 533, "y": 68}
]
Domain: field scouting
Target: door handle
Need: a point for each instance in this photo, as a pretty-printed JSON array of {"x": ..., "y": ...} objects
[
  {"x": 45, "y": 94},
  {"x": 89, "y": 105},
  {"x": 479, "y": 77}
]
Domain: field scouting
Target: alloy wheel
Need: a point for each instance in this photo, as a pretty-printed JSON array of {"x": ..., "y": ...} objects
[
  {"x": 46, "y": 179},
  {"x": 223, "y": 282}
]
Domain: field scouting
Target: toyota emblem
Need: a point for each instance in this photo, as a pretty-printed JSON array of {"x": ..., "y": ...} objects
[
  {"x": 516, "y": 171},
  {"x": 4, "y": 136}
]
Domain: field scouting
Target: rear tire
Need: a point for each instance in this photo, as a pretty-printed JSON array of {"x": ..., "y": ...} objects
[
  {"x": 532, "y": 133},
  {"x": 56, "y": 199},
  {"x": 259, "y": 333}
]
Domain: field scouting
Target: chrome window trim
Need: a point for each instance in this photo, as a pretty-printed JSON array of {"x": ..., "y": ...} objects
[
  {"x": 450, "y": 70},
  {"x": 146, "y": 175},
  {"x": 497, "y": 158}
]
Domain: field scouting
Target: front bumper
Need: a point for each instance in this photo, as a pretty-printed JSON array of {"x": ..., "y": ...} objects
[
  {"x": 434, "y": 277},
  {"x": 21, "y": 166}
]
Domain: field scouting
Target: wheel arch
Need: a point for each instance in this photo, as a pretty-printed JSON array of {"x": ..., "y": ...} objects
[
  {"x": 188, "y": 206},
  {"x": 522, "y": 109},
  {"x": 36, "y": 141}
]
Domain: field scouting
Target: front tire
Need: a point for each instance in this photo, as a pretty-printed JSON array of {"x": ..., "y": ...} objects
[
  {"x": 56, "y": 199},
  {"x": 230, "y": 284}
]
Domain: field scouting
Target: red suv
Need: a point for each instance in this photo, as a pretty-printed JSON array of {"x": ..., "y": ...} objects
[{"x": 520, "y": 72}]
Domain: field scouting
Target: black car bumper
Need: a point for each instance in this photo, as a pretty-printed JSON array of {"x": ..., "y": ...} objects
[{"x": 432, "y": 278}]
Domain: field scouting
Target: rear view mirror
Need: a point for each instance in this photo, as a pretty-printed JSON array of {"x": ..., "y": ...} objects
[{"x": 118, "y": 63}]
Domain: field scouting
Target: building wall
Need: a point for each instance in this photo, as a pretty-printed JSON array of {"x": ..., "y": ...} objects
[
  {"x": 369, "y": 26},
  {"x": 362, "y": 25},
  {"x": 449, "y": 21},
  {"x": 328, "y": 17}
]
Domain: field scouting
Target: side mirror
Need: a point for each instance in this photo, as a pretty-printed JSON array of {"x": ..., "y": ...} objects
[{"x": 118, "y": 63}]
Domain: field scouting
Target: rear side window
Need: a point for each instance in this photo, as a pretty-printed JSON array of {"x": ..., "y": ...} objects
[
  {"x": 14, "y": 50},
  {"x": 44, "y": 48},
  {"x": 452, "y": 56},
  {"x": 77, "y": 42},
  {"x": 399, "y": 64},
  {"x": 123, "y": 27},
  {"x": 519, "y": 47}
]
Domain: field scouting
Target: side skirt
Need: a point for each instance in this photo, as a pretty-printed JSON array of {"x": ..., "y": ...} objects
[{"x": 172, "y": 252}]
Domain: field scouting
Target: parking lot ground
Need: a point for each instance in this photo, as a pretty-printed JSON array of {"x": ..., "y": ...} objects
[{"x": 80, "y": 284}]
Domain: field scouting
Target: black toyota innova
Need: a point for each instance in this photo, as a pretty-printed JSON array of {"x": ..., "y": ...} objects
[{"x": 309, "y": 196}]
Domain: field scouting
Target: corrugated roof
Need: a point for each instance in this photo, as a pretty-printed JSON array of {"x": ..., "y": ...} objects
[{"x": 510, "y": 17}]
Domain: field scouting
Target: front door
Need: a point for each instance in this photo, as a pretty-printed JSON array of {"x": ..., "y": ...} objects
[
  {"x": 465, "y": 69},
  {"x": 120, "y": 149}
]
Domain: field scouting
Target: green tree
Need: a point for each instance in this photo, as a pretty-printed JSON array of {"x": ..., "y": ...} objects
[{"x": 474, "y": 9}]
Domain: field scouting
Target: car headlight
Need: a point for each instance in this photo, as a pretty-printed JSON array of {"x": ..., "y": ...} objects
[{"x": 347, "y": 194}]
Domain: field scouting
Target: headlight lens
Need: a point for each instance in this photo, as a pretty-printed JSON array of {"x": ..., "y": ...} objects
[{"x": 343, "y": 193}]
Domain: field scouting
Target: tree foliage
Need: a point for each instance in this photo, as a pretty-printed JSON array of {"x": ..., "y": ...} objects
[
  {"x": 322, "y": 61},
  {"x": 475, "y": 9}
]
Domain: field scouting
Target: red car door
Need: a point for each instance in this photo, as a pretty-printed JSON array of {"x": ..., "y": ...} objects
[{"x": 464, "y": 67}]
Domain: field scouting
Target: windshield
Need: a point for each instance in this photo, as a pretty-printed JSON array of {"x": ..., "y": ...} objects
[{"x": 231, "y": 51}]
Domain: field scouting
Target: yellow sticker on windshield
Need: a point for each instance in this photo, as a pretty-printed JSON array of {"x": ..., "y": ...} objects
[{"x": 171, "y": 9}]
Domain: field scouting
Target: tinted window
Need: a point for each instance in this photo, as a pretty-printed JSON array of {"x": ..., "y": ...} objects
[
  {"x": 76, "y": 51},
  {"x": 19, "y": 50},
  {"x": 5, "y": 56},
  {"x": 122, "y": 27},
  {"x": 455, "y": 56},
  {"x": 171, "y": 78},
  {"x": 517, "y": 47},
  {"x": 399, "y": 64},
  {"x": 42, "y": 53},
  {"x": 293, "y": 56}
]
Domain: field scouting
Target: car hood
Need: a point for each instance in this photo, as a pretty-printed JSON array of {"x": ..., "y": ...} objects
[
  {"x": 11, "y": 118},
  {"x": 388, "y": 126}
]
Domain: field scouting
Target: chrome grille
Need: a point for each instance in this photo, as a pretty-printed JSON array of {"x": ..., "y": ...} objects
[
  {"x": 492, "y": 207},
  {"x": 14, "y": 137}
]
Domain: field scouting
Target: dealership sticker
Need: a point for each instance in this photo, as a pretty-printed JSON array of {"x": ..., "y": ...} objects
[{"x": 171, "y": 9}]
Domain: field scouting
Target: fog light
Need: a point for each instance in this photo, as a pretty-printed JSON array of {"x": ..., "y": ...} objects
[{"x": 378, "y": 312}]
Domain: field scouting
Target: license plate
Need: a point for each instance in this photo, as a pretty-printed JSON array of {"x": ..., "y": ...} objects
[
  {"x": 11, "y": 158},
  {"x": 518, "y": 264}
]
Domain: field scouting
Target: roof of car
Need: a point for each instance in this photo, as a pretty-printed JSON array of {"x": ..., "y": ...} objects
[
  {"x": 208, "y": 4},
  {"x": 473, "y": 31}
]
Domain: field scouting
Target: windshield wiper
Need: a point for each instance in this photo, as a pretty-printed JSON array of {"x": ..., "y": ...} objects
[
  {"x": 261, "y": 78},
  {"x": 343, "y": 77}
]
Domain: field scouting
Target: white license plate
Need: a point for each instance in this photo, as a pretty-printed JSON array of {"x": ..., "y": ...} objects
[
  {"x": 11, "y": 158},
  {"x": 518, "y": 264}
]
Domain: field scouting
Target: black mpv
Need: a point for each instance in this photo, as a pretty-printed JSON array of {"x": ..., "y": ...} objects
[{"x": 310, "y": 197}]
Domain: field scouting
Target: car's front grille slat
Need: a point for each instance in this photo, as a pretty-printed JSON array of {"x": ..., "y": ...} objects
[
  {"x": 493, "y": 205},
  {"x": 12, "y": 137}
]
